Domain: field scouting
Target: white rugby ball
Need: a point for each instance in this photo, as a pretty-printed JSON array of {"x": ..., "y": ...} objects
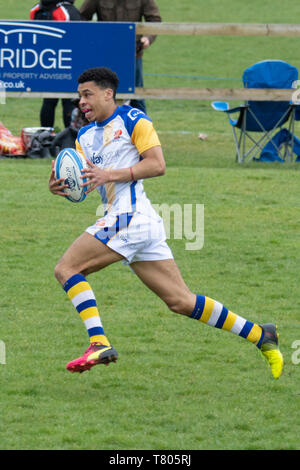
[{"x": 68, "y": 165}]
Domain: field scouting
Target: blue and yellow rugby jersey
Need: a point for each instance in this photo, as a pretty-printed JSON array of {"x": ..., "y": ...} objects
[{"x": 118, "y": 143}]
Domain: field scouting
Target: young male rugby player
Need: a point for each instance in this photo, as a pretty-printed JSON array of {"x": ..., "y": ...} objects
[{"x": 122, "y": 148}]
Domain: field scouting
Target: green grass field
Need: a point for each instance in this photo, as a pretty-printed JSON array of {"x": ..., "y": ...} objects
[{"x": 178, "y": 384}]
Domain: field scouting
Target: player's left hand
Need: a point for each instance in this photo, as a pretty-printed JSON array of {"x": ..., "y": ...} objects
[{"x": 96, "y": 176}]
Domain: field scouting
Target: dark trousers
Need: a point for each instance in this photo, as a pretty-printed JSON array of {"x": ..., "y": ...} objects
[
  {"x": 47, "y": 114},
  {"x": 139, "y": 82}
]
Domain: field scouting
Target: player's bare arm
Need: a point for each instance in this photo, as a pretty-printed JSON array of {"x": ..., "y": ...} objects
[{"x": 151, "y": 165}]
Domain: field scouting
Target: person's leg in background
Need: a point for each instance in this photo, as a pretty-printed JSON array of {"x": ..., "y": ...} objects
[
  {"x": 47, "y": 113},
  {"x": 68, "y": 107},
  {"x": 139, "y": 82}
]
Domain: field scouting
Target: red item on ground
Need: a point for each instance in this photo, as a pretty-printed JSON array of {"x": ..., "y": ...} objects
[{"x": 9, "y": 144}]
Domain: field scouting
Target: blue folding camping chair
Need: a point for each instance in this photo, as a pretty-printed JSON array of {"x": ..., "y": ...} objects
[{"x": 258, "y": 120}]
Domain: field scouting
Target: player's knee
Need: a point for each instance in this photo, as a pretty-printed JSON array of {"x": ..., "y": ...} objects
[
  {"x": 63, "y": 272},
  {"x": 58, "y": 272},
  {"x": 176, "y": 305},
  {"x": 182, "y": 303}
]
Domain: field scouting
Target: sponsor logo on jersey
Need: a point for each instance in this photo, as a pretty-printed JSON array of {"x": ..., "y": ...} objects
[
  {"x": 97, "y": 159},
  {"x": 134, "y": 113}
]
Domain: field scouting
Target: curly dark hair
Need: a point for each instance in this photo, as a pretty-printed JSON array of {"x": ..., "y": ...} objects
[
  {"x": 102, "y": 76},
  {"x": 46, "y": 3}
]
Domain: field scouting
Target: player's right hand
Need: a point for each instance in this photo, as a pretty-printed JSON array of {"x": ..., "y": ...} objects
[{"x": 57, "y": 186}]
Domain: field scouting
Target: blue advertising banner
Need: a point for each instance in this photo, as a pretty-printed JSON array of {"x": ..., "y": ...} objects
[{"x": 48, "y": 56}]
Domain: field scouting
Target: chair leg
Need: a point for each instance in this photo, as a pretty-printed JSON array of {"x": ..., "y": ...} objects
[{"x": 237, "y": 145}]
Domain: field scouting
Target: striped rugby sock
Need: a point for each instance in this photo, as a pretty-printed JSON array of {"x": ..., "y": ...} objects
[
  {"x": 213, "y": 313},
  {"x": 83, "y": 299}
]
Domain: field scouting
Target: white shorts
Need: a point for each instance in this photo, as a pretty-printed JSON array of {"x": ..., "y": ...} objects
[{"x": 136, "y": 236}]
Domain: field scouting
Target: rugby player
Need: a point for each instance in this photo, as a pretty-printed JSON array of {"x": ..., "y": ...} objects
[{"x": 122, "y": 148}]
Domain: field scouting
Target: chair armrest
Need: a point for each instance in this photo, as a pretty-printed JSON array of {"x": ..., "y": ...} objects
[
  {"x": 220, "y": 106},
  {"x": 224, "y": 107}
]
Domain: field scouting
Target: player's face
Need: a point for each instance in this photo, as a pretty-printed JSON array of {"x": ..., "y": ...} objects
[{"x": 95, "y": 102}]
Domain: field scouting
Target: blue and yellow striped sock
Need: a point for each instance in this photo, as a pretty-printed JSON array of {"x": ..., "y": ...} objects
[
  {"x": 83, "y": 299},
  {"x": 213, "y": 313}
]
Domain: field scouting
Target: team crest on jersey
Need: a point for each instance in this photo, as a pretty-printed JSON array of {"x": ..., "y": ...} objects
[{"x": 117, "y": 134}]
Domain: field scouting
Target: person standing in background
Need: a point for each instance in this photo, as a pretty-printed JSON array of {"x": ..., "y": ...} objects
[
  {"x": 49, "y": 10},
  {"x": 132, "y": 11}
]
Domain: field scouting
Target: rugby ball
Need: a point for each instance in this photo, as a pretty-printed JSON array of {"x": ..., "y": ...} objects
[{"x": 68, "y": 165}]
